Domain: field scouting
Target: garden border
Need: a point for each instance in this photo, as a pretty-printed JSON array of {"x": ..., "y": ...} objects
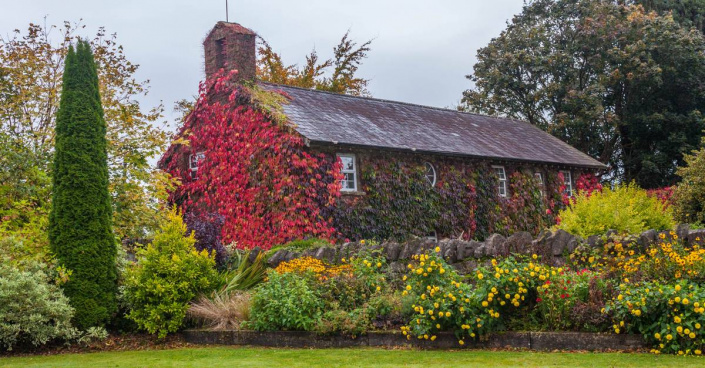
[{"x": 539, "y": 341}]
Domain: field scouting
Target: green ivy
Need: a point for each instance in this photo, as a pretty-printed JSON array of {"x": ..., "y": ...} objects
[{"x": 399, "y": 203}]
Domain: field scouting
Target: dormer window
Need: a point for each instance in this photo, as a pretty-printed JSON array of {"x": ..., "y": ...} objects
[
  {"x": 502, "y": 180},
  {"x": 193, "y": 160},
  {"x": 349, "y": 171}
]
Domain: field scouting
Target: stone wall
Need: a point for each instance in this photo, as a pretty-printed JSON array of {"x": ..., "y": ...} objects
[{"x": 553, "y": 246}]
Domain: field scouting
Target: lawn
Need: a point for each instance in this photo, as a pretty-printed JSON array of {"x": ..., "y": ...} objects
[{"x": 259, "y": 357}]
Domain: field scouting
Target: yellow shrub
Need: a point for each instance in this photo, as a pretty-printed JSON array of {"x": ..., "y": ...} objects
[{"x": 625, "y": 209}]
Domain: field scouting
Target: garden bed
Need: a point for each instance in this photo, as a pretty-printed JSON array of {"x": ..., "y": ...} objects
[{"x": 540, "y": 341}]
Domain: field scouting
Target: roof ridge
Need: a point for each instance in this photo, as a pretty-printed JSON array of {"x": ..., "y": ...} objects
[{"x": 394, "y": 101}]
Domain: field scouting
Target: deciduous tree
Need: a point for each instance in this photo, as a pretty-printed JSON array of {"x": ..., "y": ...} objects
[
  {"x": 31, "y": 68},
  {"x": 623, "y": 85},
  {"x": 347, "y": 57}
]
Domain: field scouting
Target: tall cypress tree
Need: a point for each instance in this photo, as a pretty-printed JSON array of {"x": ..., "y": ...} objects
[{"x": 80, "y": 224}]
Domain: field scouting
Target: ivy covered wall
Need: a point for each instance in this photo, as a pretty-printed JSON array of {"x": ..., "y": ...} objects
[{"x": 395, "y": 200}]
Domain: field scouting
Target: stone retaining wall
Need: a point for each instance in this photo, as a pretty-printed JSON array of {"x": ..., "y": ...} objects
[
  {"x": 543, "y": 341},
  {"x": 465, "y": 255}
]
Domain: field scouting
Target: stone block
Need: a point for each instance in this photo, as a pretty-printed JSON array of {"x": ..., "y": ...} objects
[{"x": 519, "y": 242}]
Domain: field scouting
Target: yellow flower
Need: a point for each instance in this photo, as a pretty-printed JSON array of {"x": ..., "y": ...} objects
[
  {"x": 484, "y": 304},
  {"x": 433, "y": 337},
  {"x": 438, "y": 249},
  {"x": 534, "y": 256},
  {"x": 408, "y": 287},
  {"x": 479, "y": 276},
  {"x": 461, "y": 342},
  {"x": 657, "y": 336},
  {"x": 691, "y": 335},
  {"x": 678, "y": 288},
  {"x": 669, "y": 337},
  {"x": 362, "y": 241},
  {"x": 438, "y": 325}
]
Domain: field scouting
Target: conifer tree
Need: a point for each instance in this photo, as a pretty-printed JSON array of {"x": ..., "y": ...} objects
[{"x": 80, "y": 224}]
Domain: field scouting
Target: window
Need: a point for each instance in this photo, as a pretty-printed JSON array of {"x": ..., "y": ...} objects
[
  {"x": 430, "y": 173},
  {"x": 432, "y": 236},
  {"x": 193, "y": 160},
  {"x": 349, "y": 170},
  {"x": 220, "y": 53},
  {"x": 502, "y": 180},
  {"x": 539, "y": 181},
  {"x": 568, "y": 182}
]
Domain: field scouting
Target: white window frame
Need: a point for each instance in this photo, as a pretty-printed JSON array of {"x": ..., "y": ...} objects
[
  {"x": 433, "y": 236},
  {"x": 344, "y": 188},
  {"x": 433, "y": 169},
  {"x": 538, "y": 176},
  {"x": 502, "y": 180},
  {"x": 193, "y": 167},
  {"x": 567, "y": 182}
]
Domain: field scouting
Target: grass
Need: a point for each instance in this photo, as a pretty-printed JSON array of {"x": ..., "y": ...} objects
[{"x": 214, "y": 357}]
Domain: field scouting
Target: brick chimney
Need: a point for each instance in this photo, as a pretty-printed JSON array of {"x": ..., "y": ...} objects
[{"x": 231, "y": 46}]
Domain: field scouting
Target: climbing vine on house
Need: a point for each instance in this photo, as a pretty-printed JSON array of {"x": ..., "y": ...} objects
[
  {"x": 254, "y": 171},
  {"x": 399, "y": 203}
]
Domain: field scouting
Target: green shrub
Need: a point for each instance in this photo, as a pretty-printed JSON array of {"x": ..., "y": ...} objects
[
  {"x": 287, "y": 301},
  {"x": 32, "y": 307},
  {"x": 689, "y": 195},
  {"x": 168, "y": 275},
  {"x": 625, "y": 209}
]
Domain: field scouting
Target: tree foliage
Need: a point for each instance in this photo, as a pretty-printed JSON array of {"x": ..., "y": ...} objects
[
  {"x": 80, "y": 223},
  {"x": 689, "y": 195},
  {"x": 689, "y": 13},
  {"x": 31, "y": 68},
  {"x": 347, "y": 57},
  {"x": 620, "y": 84}
]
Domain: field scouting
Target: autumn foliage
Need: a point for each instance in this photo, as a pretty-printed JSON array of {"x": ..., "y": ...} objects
[{"x": 255, "y": 172}]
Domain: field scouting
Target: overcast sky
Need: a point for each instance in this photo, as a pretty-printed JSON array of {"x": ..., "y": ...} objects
[{"x": 421, "y": 51}]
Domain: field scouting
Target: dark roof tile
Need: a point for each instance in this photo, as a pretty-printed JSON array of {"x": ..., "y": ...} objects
[{"x": 329, "y": 117}]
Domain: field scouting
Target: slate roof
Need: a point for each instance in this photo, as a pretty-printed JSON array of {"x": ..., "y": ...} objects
[{"x": 325, "y": 117}]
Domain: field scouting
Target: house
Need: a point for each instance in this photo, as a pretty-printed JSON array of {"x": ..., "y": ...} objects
[{"x": 407, "y": 169}]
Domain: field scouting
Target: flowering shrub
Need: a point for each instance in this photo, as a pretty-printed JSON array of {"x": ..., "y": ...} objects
[
  {"x": 443, "y": 301},
  {"x": 313, "y": 265},
  {"x": 666, "y": 260},
  {"x": 670, "y": 316},
  {"x": 255, "y": 172},
  {"x": 557, "y": 297},
  {"x": 625, "y": 209}
]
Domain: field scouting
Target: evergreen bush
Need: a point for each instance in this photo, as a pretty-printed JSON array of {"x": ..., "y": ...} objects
[
  {"x": 168, "y": 275},
  {"x": 80, "y": 232}
]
